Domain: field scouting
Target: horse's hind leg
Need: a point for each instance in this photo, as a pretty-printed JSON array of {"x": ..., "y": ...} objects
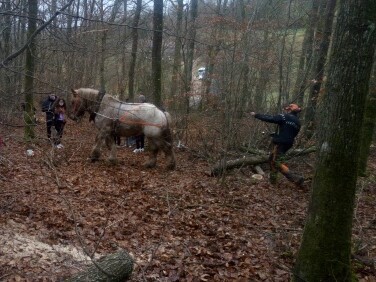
[
  {"x": 153, "y": 148},
  {"x": 170, "y": 155},
  {"x": 167, "y": 148}
]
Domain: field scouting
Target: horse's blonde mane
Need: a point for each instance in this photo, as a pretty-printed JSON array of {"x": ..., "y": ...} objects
[{"x": 87, "y": 93}]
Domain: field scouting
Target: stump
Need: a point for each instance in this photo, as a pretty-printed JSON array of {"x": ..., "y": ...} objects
[{"x": 113, "y": 267}]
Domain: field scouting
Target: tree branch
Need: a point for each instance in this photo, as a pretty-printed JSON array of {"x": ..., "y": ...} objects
[{"x": 6, "y": 61}]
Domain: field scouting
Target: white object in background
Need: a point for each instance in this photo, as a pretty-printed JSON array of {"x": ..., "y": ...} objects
[{"x": 29, "y": 153}]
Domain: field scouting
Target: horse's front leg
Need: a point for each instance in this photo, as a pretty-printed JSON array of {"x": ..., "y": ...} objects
[
  {"x": 99, "y": 142},
  {"x": 111, "y": 145}
]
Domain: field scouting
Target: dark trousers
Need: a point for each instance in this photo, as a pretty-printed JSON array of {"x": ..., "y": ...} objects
[
  {"x": 59, "y": 126},
  {"x": 276, "y": 160},
  {"x": 49, "y": 124},
  {"x": 140, "y": 141},
  {"x": 117, "y": 139},
  {"x": 277, "y": 164}
]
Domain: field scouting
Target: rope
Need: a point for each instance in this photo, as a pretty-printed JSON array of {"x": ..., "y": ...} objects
[{"x": 123, "y": 119}]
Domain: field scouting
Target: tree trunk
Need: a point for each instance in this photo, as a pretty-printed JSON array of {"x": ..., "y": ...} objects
[
  {"x": 325, "y": 250},
  {"x": 7, "y": 47},
  {"x": 264, "y": 74},
  {"x": 368, "y": 126},
  {"x": 176, "y": 73},
  {"x": 305, "y": 62},
  {"x": 156, "y": 64},
  {"x": 124, "y": 55},
  {"x": 325, "y": 35},
  {"x": 114, "y": 267},
  {"x": 188, "y": 64},
  {"x": 29, "y": 133},
  {"x": 132, "y": 65}
]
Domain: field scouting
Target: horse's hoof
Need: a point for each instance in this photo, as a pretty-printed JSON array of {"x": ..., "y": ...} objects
[
  {"x": 93, "y": 160},
  {"x": 149, "y": 165},
  {"x": 113, "y": 161},
  {"x": 171, "y": 166}
]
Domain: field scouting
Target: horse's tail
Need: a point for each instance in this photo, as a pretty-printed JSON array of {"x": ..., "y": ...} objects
[
  {"x": 169, "y": 119},
  {"x": 167, "y": 132}
]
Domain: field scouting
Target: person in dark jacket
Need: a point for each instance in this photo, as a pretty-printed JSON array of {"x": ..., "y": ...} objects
[
  {"x": 48, "y": 108},
  {"x": 60, "y": 120},
  {"x": 140, "y": 139},
  {"x": 283, "y": 139}
]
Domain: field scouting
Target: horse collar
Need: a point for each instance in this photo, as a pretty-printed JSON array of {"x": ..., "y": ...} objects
[
  {"x": 98, "y": 103},
  {"x": 100, "y": 96}
]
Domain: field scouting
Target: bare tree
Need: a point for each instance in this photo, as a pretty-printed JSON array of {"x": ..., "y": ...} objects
[
  {"x": 29, "y": 71},
  {"x": 319, "y": 67},
  {"x": 305, "y": 61},
  {"x": 188, "y": 64},
  {"x": 156, "y": 63},
  {"x": 132, "y": 66},
  {"x": 176, "y": 73}
]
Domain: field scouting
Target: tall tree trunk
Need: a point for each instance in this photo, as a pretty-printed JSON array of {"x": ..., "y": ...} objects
[
  {"x": 132, "y": 65},
  {"x": 325, "y": 251},
  {"x": 176, "y": 73},
  {"x": 264, "y": 75},
  {"x": 214, "y": 48},
  {"x": 368, "y": 125},
  {"x": 124, "y": 54},
  {"x": 305, "y": 61},
  {"x": 156, "y": 64},
  {"x": 188, "y": 64},
  {"x": 4, "y": 80},
  {"x": 282, "y": 93},
  {"x": 103, "y": 61},
  {"x": 29, "y": 133},
  {"x": 319, "y": 68}
]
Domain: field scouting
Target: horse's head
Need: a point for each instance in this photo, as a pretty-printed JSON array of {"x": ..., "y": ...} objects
[{"x": 77, "y": 109}]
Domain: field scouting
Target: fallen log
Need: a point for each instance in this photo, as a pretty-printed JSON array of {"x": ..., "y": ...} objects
[
  {"x": 113, "y": 267},
  {"x": 224, "y": 165}
]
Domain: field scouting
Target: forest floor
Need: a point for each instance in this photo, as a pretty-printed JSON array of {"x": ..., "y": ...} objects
[{"x": 56, "y": 208}]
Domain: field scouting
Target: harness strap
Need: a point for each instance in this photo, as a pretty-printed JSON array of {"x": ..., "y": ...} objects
[{"x": 97, "y": 105}]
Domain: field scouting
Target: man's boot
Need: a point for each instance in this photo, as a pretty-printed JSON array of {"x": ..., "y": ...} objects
[{"x": 294, "y": 178}]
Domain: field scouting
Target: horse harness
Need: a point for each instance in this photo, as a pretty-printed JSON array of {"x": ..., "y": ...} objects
[{"x": 93, "y": 114}]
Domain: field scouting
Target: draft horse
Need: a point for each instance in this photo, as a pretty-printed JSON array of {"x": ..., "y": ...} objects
[{"x": 113, "y": 117}]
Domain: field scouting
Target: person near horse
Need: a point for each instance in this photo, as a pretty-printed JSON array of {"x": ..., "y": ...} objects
[
  {"x": 48, "y": 108},
  {"x": 140, "y": 139},
  {"x": 283, "y": 139},
  {"x": 60, "y": 120}
]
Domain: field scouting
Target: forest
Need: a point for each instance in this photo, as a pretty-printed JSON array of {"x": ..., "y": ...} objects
[{"x": 202, "y": 201}]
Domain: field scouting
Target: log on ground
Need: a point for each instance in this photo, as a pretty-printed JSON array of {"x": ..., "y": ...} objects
[
  {"x": 223, "y": 165},
  {"x": 113, "y": 267}
]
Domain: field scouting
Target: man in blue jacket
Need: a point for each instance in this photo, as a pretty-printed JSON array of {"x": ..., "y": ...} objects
[
  {"x": 283, "y": 139},
  {"x": 48, "y": 106}
]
